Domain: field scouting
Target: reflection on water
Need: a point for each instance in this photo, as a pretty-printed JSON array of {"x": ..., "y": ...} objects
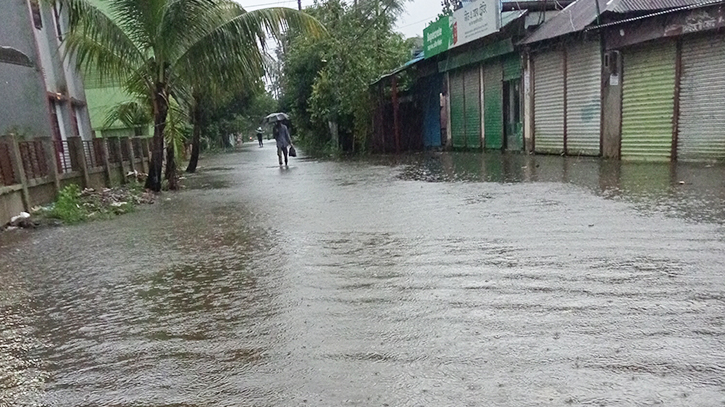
[
  {"x": 438, "y": 279},
  {"x": 691, "y": 190}
]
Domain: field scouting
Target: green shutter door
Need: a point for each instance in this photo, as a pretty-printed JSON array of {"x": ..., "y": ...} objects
[
  {"x": 472, "y": 85},
  {"x": 701, "y": 127},
  {"x": 549, "y": 102},
  {"x": 511, "y": 67},
  {"x": 458, "y": 134},
  {"x": 648, "y": 99},
  {"x": 583, "y": 98},
  {"x": 493, "y": 105}
]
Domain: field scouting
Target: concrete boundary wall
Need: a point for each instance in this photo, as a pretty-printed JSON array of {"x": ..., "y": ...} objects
[{"x": 33, "y": 171}]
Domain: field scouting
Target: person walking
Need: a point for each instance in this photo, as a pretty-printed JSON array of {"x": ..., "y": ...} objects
[
  {"x": 282, "y": 137},
  {"x": 259, "y": 136}
]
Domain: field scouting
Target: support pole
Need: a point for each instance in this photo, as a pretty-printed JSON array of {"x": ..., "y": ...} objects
[{"x": 396, "y": 124}]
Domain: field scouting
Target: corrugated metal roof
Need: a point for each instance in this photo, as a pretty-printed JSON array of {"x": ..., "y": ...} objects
[
  {"x": 578, "y": 15},
  {"x": 509, "y": 16},
  {"x": 574, "y": 18},
  {"x": 628, "y": 6}
]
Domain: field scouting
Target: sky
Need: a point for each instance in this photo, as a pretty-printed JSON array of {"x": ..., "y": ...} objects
[{"x": 417, "y": 14}]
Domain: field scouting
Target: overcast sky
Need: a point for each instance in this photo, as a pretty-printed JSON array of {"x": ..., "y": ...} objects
[{"x": 417, "y": 14}]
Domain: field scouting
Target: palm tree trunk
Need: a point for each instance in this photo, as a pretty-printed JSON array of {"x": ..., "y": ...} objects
[
  {"x": 195, "y": 139},
  {"x": 171, "y": 167},
  {"x": 161, "y": 110}
]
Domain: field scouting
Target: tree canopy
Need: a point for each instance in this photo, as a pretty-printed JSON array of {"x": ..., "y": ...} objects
[{"x": 325, "y": 82}]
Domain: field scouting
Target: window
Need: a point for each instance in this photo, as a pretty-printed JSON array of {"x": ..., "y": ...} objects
[
  {"x": 54, "y": 125},
  {"x": 35, "y": 11},
  {"x": 56, "y": 16},
  {"x": 74, "y": 121}
]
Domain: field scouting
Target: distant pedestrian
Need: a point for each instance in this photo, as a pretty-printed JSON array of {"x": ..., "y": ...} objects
[
  {"x": 282, "y": 137},
  {"x": 259, "y": 136}
]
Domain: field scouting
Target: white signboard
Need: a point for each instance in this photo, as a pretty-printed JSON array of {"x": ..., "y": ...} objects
[{"x": 476, "y": 19}]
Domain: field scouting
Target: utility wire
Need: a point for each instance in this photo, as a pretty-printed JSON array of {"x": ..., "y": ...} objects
[{"x": 417, "y": 22}]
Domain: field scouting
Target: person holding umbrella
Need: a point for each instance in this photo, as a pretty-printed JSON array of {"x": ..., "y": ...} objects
[{"x": 281, "y": 135}]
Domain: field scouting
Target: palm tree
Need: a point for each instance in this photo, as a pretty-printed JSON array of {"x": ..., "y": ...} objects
[
  {"x": 159, "y": 47},
  {"x": 133, "y": 114}
]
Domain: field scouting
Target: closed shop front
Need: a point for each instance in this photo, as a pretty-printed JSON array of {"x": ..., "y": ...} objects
[
  {"x": 473, "y": 106},
  {"x": 465, "y": 96},
  {"x": 457, "y": 96},
  {"x": 648, "y": 91},
  {"x": 549, "y": 102},
  {"x": 492, "y": 103},
  {"x": 513, "y": 126},
  {"x": 430, "y": 95},
  {"x": 583, "y": 98},
  {"x": 701, "y": 126}
]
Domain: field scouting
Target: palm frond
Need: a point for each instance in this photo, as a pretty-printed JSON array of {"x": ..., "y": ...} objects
[
  {"x": 98, "y": 43},
  {"x": 232, "y": 52},
  {"x": 133, "y": 114},
  {"x": 185, "y": 21},
  {"x": 140, "y": 18}
]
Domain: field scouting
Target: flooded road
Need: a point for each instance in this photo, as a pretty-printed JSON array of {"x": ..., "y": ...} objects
[{"x": 427, "y": 280}]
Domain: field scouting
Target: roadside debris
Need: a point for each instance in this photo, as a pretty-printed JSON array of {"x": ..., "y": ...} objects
[
  {"x": 20, "y": 221},
  {"x": 74, "y": 206}
]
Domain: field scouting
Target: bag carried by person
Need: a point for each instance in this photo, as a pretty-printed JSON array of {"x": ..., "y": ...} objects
[{"x": 292, "y": 151}]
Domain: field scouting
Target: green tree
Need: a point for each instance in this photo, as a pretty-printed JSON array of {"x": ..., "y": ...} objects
[
  {"x": 325, "y": 83},
  {"x": 167, "y": 47}
]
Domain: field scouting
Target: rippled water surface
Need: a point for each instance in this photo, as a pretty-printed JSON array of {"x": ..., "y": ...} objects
[{"x": 427, "y": 280}]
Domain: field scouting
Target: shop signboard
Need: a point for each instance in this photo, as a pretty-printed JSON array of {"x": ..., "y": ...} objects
[
  {"x": 437, "y": 37},
  {"x": 475, "y": 20}
]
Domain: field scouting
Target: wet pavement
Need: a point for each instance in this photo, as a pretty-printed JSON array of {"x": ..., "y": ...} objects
[{"x": 454, "y": 279}]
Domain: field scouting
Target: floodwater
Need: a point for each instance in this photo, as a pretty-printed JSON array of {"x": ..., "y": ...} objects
[{"x": 454, "y": 279}]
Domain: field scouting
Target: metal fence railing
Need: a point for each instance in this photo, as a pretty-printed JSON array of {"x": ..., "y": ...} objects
[
  {"x": 137, "y": 149},
  {"x": 125, "y": 151},
  {"x": 114, "y": 156},
  {"x": 35, "y": 163},
  {"x": 65, "y": 165},
  {"x": 93, "y": 150},
  {"x": 7, "y": 175},
  {"x": 30, "y": 160}
]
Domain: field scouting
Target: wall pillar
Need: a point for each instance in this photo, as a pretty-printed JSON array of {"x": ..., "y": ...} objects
[
  {"x": 131, "y": 154},
  {"x": 17, "y": 164},
  {"x": 78, "y": 158},
  {"x": 51, "y": 160},
  {"x": 106, "y": 162},
  {"x": 117, "y": 143},
  {"x": 612, "y": 105},
  {"x": 528, "y": 104},
  {"x": 144, "y": 165}
]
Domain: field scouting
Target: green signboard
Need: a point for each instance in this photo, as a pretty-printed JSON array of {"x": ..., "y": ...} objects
[{"x": 437, "y": 37}]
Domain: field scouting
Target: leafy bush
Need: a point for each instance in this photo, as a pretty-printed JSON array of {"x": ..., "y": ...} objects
[{"x": 68, "y": 206}]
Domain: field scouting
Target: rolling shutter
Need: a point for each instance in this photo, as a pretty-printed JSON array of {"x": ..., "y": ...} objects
[
  {"x": 549, "y": 102},
  {"x": 648, "y": 101},
  {"x": 701, "y": 129},
  {"x": 583, "y": 98},
  {"x": 472, "y": 79},
  {"x": 511, "y": 67},
  {"x": 492, "y": 102},
  {"x": 458, "y": 135}
]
